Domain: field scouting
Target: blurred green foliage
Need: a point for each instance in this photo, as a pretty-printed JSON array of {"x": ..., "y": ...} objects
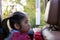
[
  {"x": 30, "y": 10},
  {"x": 42, "y": 13},
  {"x": 5, "y": 13}
]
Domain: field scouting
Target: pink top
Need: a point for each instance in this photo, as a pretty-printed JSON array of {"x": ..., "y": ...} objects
[
  {"x": 24, "y": 36},
  {"x": 20, "y": 36}
]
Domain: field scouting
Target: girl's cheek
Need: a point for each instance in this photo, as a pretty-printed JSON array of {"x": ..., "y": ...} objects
[{"x": 28, "y": 29}]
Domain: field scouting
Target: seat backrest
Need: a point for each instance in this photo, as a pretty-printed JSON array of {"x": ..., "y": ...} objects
[
  {"x": 51, "y": 13},
  {"x": 58, "y": 20},
  {"x": 52, "y": 17}
]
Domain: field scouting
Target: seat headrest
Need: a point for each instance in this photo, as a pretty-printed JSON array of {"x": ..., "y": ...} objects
[{"x": 51, "y": 12}]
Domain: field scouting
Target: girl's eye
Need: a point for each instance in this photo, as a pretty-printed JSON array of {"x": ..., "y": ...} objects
[{"x": 26, "y": 21}]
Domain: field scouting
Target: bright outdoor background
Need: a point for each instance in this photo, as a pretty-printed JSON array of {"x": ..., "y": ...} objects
[{"x": 27, "y": 6}]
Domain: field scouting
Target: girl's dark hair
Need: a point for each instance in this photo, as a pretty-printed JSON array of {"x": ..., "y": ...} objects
[
  {"x": 16, "y": 17},
  {"x": 1, "y": 30},
  {"x": 0, "y": 22}
]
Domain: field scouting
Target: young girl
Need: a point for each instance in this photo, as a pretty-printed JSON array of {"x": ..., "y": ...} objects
[{"x": 17, "y": 27}]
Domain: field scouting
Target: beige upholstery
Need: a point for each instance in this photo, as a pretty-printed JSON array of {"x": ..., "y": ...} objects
[{"x": 51, "y": 35}]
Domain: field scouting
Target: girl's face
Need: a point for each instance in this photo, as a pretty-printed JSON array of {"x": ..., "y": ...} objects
[{"x": 25, "y": 25}]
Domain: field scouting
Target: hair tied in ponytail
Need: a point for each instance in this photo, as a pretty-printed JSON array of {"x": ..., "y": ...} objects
[{"x": 8, "y": 24}]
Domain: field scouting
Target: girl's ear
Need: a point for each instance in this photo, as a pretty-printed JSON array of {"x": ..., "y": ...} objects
[{"x": 16, "y": 26}]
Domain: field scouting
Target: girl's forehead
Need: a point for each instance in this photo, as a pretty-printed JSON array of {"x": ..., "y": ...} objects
[{"x": 26, "y": 16}]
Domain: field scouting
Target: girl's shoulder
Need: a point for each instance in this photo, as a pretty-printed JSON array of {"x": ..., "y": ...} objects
[
  {"x": 14, "y": 31},
  {"x": 11, "y": 34}
]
